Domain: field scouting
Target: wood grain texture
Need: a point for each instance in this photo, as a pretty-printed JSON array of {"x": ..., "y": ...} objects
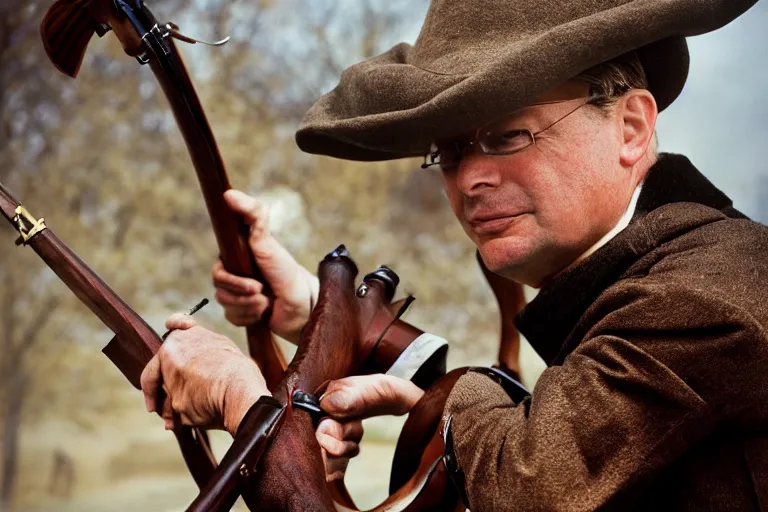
[{"x": 66, "y": 30}]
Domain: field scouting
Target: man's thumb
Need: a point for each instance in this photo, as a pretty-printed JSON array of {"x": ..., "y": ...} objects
[
  {"x": 274, "y": 261},
  {"x": 247, "y": 206},
  {"x": 364, "y": 396},
  {"x": 342, "y": 402}
]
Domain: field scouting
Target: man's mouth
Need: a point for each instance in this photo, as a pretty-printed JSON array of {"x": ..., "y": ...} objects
[{"x": 493, "y": 224}]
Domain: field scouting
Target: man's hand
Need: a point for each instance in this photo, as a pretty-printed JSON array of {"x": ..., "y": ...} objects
[
  {"x": 294, "y": 288},
  {"x": 339, "y": 442},
  {"x": 350, "y": 400},
  {"x": 208, "y": 381}
]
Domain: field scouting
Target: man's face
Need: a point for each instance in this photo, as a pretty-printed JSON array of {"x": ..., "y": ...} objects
[{"x": 533, "y": 213}]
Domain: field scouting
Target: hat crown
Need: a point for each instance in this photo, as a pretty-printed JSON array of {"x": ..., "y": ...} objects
[{"x": 486, "y": 27}]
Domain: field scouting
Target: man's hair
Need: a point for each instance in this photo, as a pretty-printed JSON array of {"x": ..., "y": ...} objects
[{"x": 612, "y": 79}]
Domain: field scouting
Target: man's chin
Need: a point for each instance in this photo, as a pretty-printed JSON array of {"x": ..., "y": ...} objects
[{"x": 505, "y": 256}]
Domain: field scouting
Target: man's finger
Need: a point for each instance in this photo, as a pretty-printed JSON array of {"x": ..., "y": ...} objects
[
  {"x": 330, "y": 427},
  {"x": 241, "y": 321},
  {"x": 342, "y": 402},
  {"x": 335, "y": 467},
  {"x": 245, "y": 318},
  {"x": 229, "y": 299},
  {"x": 352, "y": 431},
  {"x": 250, "y": 208},
  {"x": 180, "y": 321},
  {"x": 257, "y": 308},
  {"x": 235, "y": 284},
  {"x": 336, "y": 448},
  {"x": 279, "y": 267},
  {"x": 167, "y": 413},
  {"x": 364, "y": 396},
  {"x": 345, "y": 433},
  {"x": 150, "y": 380},
  {"x": 171, "y": 421}
]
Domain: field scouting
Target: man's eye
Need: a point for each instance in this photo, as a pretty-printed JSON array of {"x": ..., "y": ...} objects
[
  {"x": 507, "y": 142},
  {"x": 512, "y": 135}
]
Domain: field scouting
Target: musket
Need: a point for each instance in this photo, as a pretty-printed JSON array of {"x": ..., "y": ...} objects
[
  {"x": 134, "y": 343},
  {"x": 68, "y": 27}
]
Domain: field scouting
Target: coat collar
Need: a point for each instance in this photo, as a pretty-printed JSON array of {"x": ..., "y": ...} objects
[{"x": 547, "y": 321}]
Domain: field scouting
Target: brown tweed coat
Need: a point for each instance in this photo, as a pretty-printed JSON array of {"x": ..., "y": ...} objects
[{"x": 656, "y": 397}]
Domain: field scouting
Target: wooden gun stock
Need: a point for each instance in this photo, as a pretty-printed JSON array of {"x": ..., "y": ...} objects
[
  {"x": 67, "y": 28},
  {"x": 69, "y": 25}
]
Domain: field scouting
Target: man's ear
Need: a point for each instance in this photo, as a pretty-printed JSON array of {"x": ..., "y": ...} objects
[{"x": 638, "y": 118}]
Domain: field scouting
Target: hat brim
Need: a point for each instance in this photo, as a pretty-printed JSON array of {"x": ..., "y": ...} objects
[
  {"x": 408, "y": 133},
  {"x": 396, "y": 104}
]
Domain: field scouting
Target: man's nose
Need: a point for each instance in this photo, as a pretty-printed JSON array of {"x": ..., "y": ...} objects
[{"x": 477, "y": 171}]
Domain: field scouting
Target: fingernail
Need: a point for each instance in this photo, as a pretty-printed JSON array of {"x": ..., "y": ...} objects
[{"x": 148, "y": 404}]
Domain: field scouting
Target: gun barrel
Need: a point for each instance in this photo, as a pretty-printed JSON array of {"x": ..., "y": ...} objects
[{"x": 135, "y": 341}]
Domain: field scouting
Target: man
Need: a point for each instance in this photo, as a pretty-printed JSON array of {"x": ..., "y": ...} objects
[{"x": 653, "y": 306}]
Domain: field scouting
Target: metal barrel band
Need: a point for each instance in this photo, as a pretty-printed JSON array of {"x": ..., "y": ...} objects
[{"x": 27, "y": 225}]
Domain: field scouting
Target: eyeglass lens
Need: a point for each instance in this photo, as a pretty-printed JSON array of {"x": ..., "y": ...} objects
[{"x": 501, "y": 137}]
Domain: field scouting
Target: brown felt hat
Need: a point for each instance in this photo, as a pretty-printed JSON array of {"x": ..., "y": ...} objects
[{"x": 477, "y": 59}]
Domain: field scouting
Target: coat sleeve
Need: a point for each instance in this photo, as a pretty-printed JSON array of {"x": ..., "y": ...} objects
[{"x": 656, "y": 373}]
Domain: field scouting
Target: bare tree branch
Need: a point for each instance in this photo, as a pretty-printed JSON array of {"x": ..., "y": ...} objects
[{"x": 32, "y": 332}]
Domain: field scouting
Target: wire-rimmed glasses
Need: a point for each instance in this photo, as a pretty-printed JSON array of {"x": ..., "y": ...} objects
[{"x": 500, "y": 137}]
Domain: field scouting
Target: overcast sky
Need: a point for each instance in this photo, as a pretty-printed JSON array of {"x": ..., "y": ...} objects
[{"x": 721, "y": 119}]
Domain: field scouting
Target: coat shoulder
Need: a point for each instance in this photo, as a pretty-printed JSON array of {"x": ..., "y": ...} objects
[{"x": 726, "y": 259}]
